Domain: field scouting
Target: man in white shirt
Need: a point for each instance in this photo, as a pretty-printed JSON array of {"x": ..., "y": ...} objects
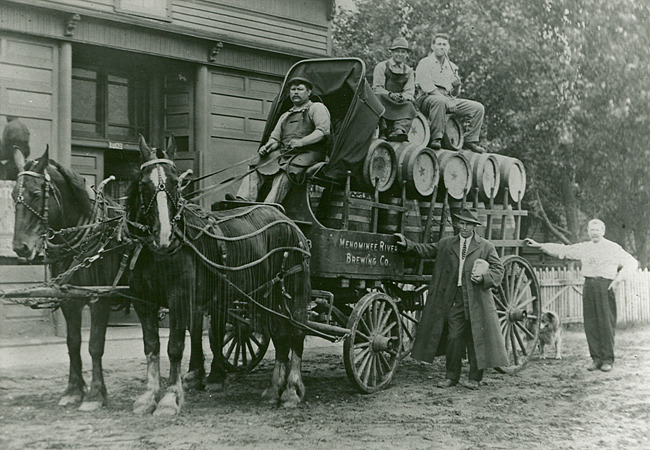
[
  {"x": 460, "y": 302},
  {"x": 604, "y": 265},
  {"x": 437, "y": 78}
]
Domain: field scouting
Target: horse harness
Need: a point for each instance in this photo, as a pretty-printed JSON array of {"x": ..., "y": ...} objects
[{"x": 47, "y": 187}]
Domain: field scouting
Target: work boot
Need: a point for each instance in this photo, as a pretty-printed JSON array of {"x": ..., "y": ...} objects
[
  {"x": 472, "y": 384},
  {"x": 398, "y": 136},
  {"x": 447, "y": 384},
  {"x": 606, "y": 367},
  {"x": 435, "y": 144},
  {"x": 594, "y": 366},
  {"x": 473, "y": 146}
]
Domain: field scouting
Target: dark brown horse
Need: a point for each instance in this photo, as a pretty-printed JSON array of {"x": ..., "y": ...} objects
[
  {"x": 54, "y": 201},
  {"x": 216, "y": 262}
]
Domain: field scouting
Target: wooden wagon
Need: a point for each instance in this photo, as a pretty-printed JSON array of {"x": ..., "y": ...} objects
[{"x": 364, "y": 291}]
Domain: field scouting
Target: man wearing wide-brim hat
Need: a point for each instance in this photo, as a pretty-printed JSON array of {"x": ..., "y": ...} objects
[
  {"x": 460, "y": 298},
  {"x": 394, "y": 84}
]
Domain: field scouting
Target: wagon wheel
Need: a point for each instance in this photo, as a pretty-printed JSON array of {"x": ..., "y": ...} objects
[
  {"x": 243, "y": 348},
  {"x": 372, "y": 349},
  {"x": 519, "y": 308}
]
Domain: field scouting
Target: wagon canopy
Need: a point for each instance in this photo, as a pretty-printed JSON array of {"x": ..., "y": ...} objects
[{"x": 340, "y": 83}]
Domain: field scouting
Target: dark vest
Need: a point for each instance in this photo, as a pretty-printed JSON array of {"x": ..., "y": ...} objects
[
  {"x": 297, "y": 125},
  {"x": 395, "y": 82}
]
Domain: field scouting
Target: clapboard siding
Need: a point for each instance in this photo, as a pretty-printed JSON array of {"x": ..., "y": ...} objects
[
  {"x": 17, "y": 320},
  {"x": 28, "y": 87},
  {"x": 256, "y": 27},
  {"x": 239, "y": 105},
  {"x": 297, "y": 26}
]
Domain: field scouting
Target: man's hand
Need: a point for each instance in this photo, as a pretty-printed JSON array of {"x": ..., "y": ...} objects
[
  {"x": 263, "y": 150},
  {"x": 295, "y": 143},
  {"x": 396, "y": 96},
  {"x": 613, "y": 284},
  {"x": 476, "y": 278},
  {"x": 400, "y": 242},
  {"x": 531, "y": 243}
]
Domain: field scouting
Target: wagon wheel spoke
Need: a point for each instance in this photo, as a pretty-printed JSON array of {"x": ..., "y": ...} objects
[
  {"x": 361, "y": 355},
  {"x": 521, "y": 292},
  {"x": 513, "y": 347},
  {"x": 384, "y": 362},
  {"x": 527, "y": 332},
  {"x": 519, "y": 341},
  {"x": 500, "y": 313},
  {"x": 232, "y": 346},
  {"x": 243, "y": 353},
  {"x": 527, "y": 302},
  {"x": 499, "y": 302},
  {"x": 383, "y": 319},
  {"x": 385, "y": 331}
]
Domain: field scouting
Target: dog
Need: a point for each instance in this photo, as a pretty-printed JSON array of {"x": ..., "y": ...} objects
[{"x": 550, "y": 334}]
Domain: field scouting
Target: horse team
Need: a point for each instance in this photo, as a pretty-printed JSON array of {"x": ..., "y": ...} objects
[{"x": 176, "y": 256}]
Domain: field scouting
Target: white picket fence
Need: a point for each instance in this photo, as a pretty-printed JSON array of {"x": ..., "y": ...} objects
[{"x": 561, "y": 291}]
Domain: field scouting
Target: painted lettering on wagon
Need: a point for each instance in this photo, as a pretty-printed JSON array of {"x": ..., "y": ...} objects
[
  {"x": 367, "y": 246},
  {"x": 367, "y": 259}
]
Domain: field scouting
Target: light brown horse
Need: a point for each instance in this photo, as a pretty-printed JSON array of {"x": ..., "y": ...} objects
[
  {"x": 50, "y": 199},
  {"x": 199, "y": 260}
]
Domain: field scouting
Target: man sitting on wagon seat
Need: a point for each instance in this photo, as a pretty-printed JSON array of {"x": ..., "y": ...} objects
[
  {"x": 393, "y": 82},
  {"x": 296, "y": 143}
]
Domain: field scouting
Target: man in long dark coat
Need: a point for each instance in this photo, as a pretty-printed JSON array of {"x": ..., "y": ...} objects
[{"x": 460, "y": 302}]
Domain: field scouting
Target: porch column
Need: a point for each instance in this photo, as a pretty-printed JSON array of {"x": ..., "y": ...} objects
[
  {"x": 63, "y": 149},
  {"x": 202, "y": 119}
]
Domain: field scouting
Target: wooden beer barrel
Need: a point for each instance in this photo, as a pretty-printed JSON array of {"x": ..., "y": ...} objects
[
  {"x": 330, "y": 210},
  {"x": 454, "y": 135},
  {"x": 485, "y": 173},
  {"x": 420, "y": 132},
  {"x": 380, "y": 165},
  {"x": 389, "y": 220},
  {"x": 418, "y": 166},
  {"x": 513, "y": 176},
  {"x": 455, "y": 173}
]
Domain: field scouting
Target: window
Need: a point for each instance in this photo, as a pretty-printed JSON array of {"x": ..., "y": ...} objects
[{"x": 109, "y": 105}]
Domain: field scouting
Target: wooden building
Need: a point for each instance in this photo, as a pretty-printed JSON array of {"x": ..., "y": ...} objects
[{"x": 87, "y": 76}]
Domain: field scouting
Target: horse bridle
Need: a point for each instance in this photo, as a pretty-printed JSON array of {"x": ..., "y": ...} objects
[
  {"x": 177, "y": 203},
  {"x": 47, "y": 187}
]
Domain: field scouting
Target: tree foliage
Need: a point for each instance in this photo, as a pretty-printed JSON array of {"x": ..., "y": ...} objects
[{"x": 566, "y": 86}]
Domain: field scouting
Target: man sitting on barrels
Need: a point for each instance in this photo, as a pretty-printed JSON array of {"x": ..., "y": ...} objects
[
  {"x": 394, "y": 84},
  {"x": 296, "y": 143},
  {"x": 438, "y": 79}
]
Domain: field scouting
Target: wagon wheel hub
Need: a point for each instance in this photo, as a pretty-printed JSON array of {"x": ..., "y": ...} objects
[
  {"x": 382, "y": 343},
  {"x": 517, "y": 314}
]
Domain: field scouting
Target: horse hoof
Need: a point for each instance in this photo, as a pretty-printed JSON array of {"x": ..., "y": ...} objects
[
  {"x": 216, "y": 386},
  {"x": 289, "y": 399},
  {"x": 270, "y": 396},
  {"x": 193, "y": 381},
  {"x": 168, "y": 406},
  {"x": 71, "y": 399},
  {"x": 91, "y": 406},
  {"x": 145, "y": 404}
]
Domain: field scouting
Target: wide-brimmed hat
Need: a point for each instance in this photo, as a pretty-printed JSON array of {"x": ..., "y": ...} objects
[
  {"x": 468, "y": 215},
  {"x": 400, "y": 42},
  {"x": 300, "y": 80}
]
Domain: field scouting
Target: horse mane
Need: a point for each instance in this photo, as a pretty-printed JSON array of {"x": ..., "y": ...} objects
[
  {"x": 132, "y": 200},
  {"x": 75, "y": 182}
]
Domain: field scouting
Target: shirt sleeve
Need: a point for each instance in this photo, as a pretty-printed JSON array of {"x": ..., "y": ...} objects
[
  {"x": 379, "y": 78},
  {"x": 320, "y": 115},
  {"x": 276, "y": 134},
  {"x": 409, "y": 88},
  {"x": 562, "y": 251},
  {"x": 627, "y": 263},
  {"x": 423, "y": 76}
]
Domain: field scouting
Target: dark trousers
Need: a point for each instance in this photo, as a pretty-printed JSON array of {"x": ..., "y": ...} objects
[
  {"x": 459, "y": 339},
  {"x": 599, "y": 316}
]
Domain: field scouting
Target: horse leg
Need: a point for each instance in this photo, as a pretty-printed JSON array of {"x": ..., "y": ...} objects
[
  {"x": 279, "y": 379},
  {"x": 76, "y": 386},
  {"x": 295, "y": 389},
  {"x": 194, "y": 378},
  {"x": 172, "y": 402},
  {"x": 100, "y": 311},
  {"x": 217, "y": 379},
  {"x": 146, "y": 403}
]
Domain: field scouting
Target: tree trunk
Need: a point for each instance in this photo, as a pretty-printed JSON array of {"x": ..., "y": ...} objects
[{"x": 571, "y": 207}]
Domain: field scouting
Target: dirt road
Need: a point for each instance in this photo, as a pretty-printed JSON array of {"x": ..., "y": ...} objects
[{"x": 550, "y": 404}]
